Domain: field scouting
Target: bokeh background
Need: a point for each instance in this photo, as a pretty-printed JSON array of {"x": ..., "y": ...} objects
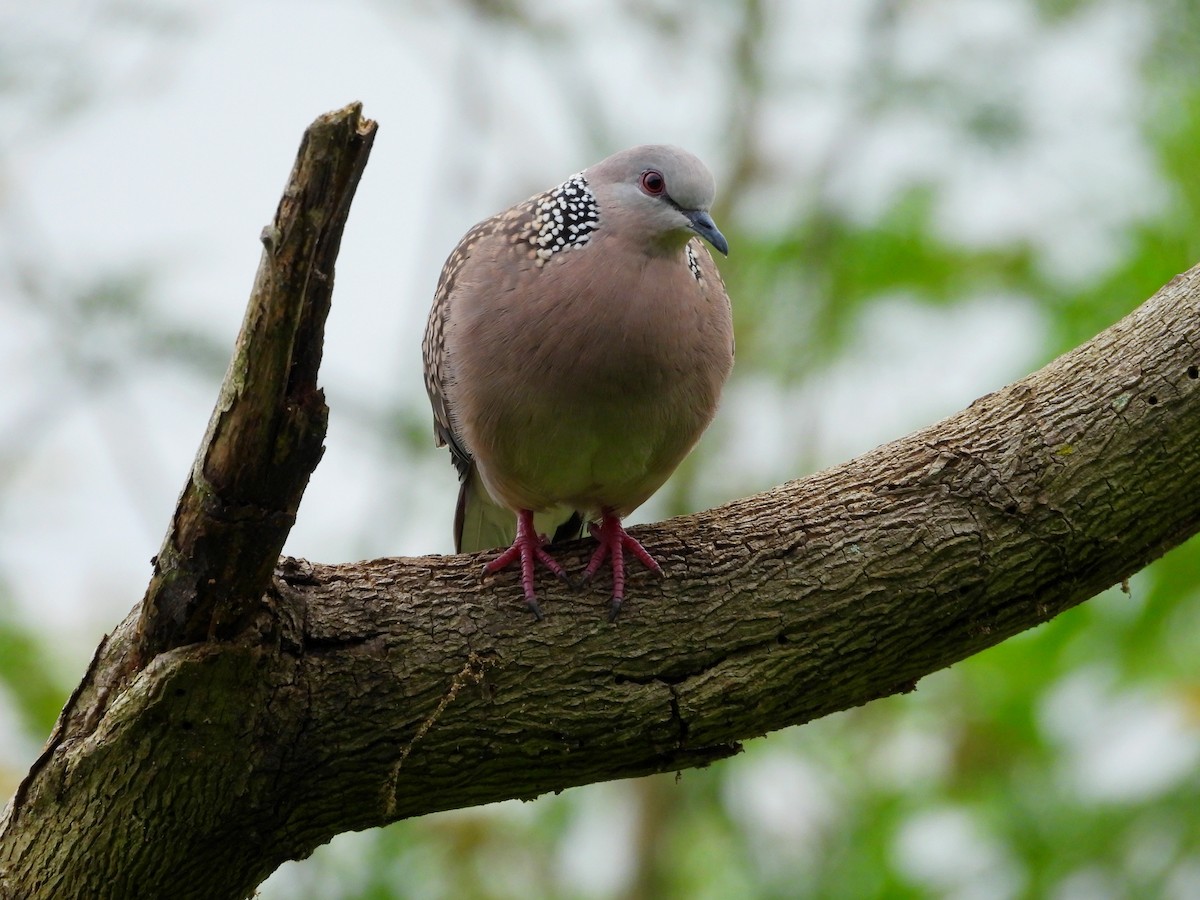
[{"x": 925, "y": 200}]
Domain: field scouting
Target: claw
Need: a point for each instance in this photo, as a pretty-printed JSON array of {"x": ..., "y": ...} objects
[
  {"x": 528, "y": 548},
  {"x": 614, "y": 541}
]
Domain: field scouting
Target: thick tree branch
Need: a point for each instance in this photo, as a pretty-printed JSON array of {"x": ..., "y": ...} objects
[{"x": 356, "y": 695}]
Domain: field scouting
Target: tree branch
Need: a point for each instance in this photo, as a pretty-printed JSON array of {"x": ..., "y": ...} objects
[
  {"x": 355, "y": 695},
  {"x": 266, "y": 433}
]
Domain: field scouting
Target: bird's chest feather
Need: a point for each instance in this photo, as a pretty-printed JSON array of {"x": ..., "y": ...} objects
[
  {"x": 590, "y": 374},
  {"x": 605, "y": 330},
  {"x": 586, "y": 334}
]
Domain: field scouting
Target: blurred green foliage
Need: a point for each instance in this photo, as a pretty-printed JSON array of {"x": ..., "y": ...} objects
[
  {"x": 1062, "y": 763},
  {"x": 27, "y": 672}
]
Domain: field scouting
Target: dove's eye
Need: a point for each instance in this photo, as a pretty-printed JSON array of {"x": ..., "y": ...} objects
[{"x": 652, "y": 182}]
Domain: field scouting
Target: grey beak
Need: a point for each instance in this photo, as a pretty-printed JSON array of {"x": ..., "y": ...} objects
[{"x": 704, "y": 226}]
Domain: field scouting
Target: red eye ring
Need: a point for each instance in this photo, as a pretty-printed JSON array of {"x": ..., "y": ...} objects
[{"x": 653, "y": 183}]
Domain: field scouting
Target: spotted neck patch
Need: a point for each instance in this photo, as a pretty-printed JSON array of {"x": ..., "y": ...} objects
[
  {"x": 563, "y": 218},
  {"x": 693, "y": 262}
]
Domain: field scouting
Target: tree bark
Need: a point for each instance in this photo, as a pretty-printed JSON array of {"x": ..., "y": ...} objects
[
  {"x": 346, "y": 697},
  {"x": 267, "y": 431}
]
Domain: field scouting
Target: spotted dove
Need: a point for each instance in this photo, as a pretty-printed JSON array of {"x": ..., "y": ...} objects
[{"x": 575, "y": 352}]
